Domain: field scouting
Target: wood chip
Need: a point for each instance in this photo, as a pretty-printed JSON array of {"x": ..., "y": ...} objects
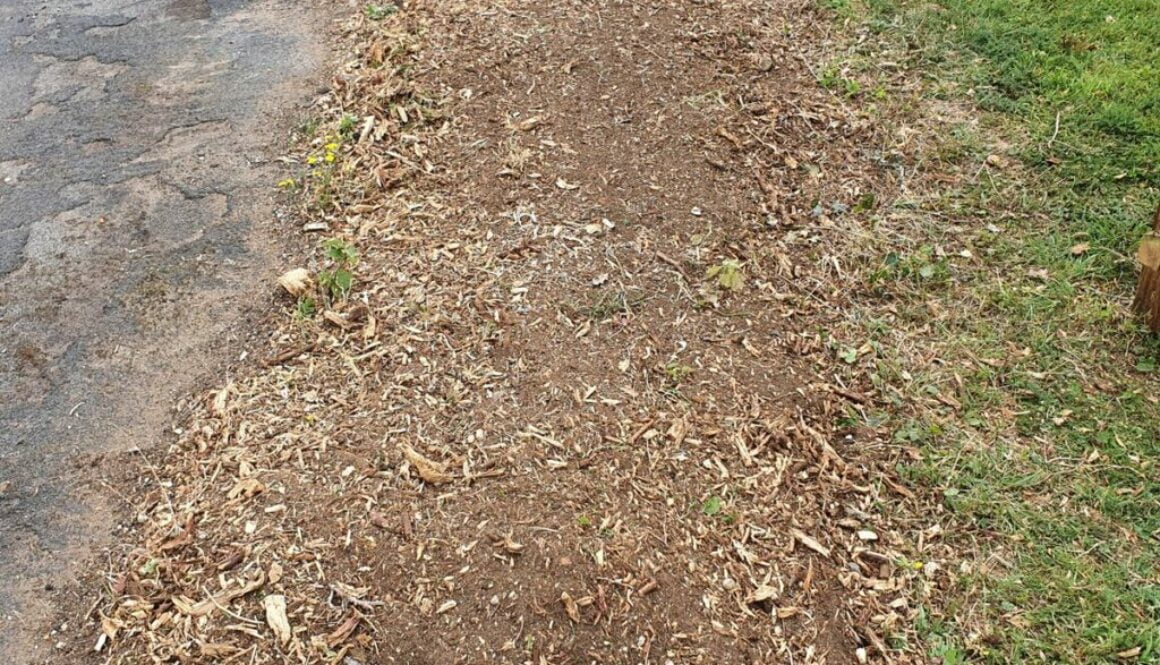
[
  {"x": 218, "y": 601},
  {"x": 810, "y": 543},
  {"x": 430, "y": 471},
  {"x": 570, "y": 607},
  {"x": 275, "y": 606}
]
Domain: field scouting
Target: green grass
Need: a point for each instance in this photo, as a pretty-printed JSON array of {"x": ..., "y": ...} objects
[
  {"x": 1093, "y": 65},
  {"x": 1048, "y": 462}
]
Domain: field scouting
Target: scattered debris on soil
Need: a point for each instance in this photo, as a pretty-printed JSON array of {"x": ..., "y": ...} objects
[{"x": 553, "y": 389}]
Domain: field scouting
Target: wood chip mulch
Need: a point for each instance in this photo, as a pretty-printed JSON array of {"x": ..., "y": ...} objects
[{"x": 575, "y": 406}]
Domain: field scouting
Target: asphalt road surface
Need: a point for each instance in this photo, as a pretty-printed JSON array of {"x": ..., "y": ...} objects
[{"x": 137, "y": 230}]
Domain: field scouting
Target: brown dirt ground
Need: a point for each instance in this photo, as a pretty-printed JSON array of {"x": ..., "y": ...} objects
[{"x": 542, "y": 428}]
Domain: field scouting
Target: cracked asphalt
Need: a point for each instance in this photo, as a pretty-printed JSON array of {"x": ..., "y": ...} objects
[{"x": 137, "y": 231}]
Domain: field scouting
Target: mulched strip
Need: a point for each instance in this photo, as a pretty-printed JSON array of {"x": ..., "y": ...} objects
[{"x": 574, "y": 407}]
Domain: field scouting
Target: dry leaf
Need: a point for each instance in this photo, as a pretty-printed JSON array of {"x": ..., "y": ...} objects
[
  {"x": 509, "y": 545},
  {"x": 761, "y": 594},
  {"x": 571, "y": 607},
  {"x": 337, "y": 319},
  {"x": 344, "y": 630},
  {"x": 109, "y": 627},
  {"x": 246, "y": 487},
  {"x": 296, "y": 282},
  {"x": 1129, "y": 654},
  {"x": 431, "y": 472},
  {"x": 1080, "y": 249}
]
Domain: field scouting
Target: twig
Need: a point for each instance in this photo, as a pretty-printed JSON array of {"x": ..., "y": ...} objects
[
  {"x": 289, "y": 354},
  {"x": 673, "y": 262},
  {"x": 1056, "y": 132}
]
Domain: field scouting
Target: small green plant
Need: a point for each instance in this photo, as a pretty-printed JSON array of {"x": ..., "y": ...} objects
[
  {"x": 611, "y": 304},
  {"x": 867, "y": 203},
  {"x": 1146, "y": 365},
  {"x": 347, "y": 125},
  {"x": 338, "y": 282},
  {"x": 379, "y": 12},
  {"x": 677, "y": 372},
  {"x": 149, "y": 567},
  {"x": 727, "y": 273},
  {"x": 323, "y": 187},
  {"x": 832, "y": 79},
  {"x": 712, "y": 506},
  {"x": 339, "y": 279},
  {"x": 341, "y": 252},
  {"x": 305, "y": 308},
  {"x": 584, "y": 521},
  {"x": 309, "y": 127},
  {"x": 920, "y": 267}
]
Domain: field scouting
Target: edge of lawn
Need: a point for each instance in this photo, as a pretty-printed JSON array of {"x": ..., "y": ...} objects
[{"x": 991, "y": 309}]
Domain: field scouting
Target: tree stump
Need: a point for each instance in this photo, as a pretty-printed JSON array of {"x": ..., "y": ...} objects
[{"x": 1148, "y": 292}]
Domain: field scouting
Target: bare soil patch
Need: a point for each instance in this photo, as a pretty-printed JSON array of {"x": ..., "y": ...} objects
[{"x": 574, "y": 407}]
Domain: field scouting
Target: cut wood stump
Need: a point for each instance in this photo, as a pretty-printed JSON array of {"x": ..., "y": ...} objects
[{"x": 1148, "y": 292}]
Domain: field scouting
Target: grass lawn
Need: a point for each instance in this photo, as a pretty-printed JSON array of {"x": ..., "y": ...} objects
[{"x": 1010, "y": 359}]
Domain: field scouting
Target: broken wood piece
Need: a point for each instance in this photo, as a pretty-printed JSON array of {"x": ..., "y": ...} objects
[
  {"x": 810, "y": 542},
  {"x": 212, "y": 603},
  {"x": 1147, "y": 300},
  {"x": 430, "y": 471},
  {"x": 289, "y": 354},
  {"x": 570, "y": 607},
  {"x": 275, "y": 607}
]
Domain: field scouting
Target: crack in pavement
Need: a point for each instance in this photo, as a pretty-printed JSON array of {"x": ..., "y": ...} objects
[{"x": 134, "y": 230}]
